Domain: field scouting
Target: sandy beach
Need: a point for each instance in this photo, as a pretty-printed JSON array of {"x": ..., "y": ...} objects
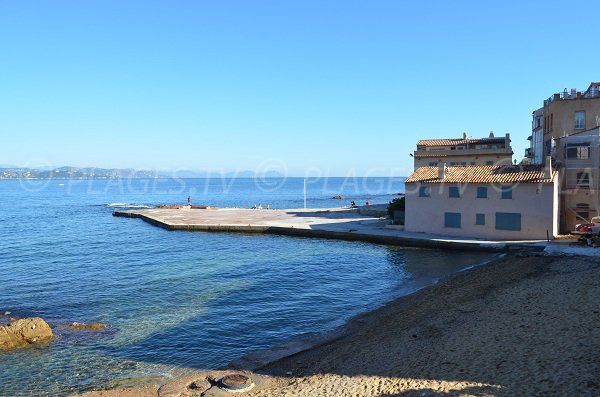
[{"x": 521, "y": 326}]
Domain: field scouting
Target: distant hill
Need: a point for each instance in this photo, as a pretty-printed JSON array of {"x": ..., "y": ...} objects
[
  {"x": 74, "y": 173},
  {"x": 117, "y": 173}
]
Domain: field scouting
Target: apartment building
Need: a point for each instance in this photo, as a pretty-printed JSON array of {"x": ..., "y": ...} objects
[
  {"x": 566, "y": 128},
  {"x": 564, "y": 113},
  {"x": 579, "y": 155},
  {"x": 465, "y": 151}
]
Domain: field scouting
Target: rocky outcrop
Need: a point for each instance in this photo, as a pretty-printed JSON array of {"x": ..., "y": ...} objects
[
  {"x": 24, "y": 332},
  {"x": 89, "y": 326}
]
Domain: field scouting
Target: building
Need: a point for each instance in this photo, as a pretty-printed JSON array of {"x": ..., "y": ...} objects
[
  {"x": 500, "y": 202},
  {"x": 535, "y": 152},
  {"x": 566, "y": 113},
  {"x": 580, "y": 157},
  {"x": 463, "y": 151},
  {"x": 566, "y": 128}
]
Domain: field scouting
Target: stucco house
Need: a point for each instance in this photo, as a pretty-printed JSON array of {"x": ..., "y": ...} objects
[
  {"x": 500, "y": 202},
  {"x": 463, "y": 151}
]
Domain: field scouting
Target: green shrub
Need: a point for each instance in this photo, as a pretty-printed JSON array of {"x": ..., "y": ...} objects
[{"x": 397, "y": 204}]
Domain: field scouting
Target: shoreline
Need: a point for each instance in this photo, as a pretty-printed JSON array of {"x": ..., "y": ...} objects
[
  {"x": 418, "y": 328},
  {"x": 259, "y": 359}
]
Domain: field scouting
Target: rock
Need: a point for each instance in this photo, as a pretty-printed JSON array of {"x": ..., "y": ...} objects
[
  {"x": 338, "y": 197},
  {"x": 23, "y": 332},
  {"x": 90, "y": 326}
]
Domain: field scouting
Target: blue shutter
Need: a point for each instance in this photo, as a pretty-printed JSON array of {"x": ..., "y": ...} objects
[
  {"x": 453, "y": 192},
  {"x": 506, "y": 192},
  {"x": 452, "y": 219},
  {"x": 482, "y": 192},
  {"x": 424, "y": 191},
  {"x": 480, "y": 219},
  {"x": 508, "y": 221}
]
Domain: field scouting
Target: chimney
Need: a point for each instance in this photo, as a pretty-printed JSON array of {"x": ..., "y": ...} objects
[
  {"x": 465, "y": 136},
  {"x": 441, "y": 171},
  {"x": 548, "y": 168},
  {"x": 507, "y": 140},
  {"x": 491, "y": 134}
]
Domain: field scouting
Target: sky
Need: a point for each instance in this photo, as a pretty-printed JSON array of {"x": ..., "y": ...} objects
[{"x": 305, "y": 88}]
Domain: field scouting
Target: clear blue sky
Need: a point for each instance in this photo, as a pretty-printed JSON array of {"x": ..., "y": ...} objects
[{"x": 341, "y": 87}]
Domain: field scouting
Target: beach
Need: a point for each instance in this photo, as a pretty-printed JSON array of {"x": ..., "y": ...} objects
[{"x": 520, "y": 326}]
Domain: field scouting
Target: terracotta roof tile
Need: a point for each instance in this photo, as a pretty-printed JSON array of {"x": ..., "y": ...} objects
[
  {"x": 459, "y": 141},
  {"x": 483, "y": 174}
]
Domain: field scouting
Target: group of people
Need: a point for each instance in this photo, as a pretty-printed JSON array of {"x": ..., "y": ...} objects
[
  {"x": 260, "y": 207},
  {"x": 353, "y": 203}
]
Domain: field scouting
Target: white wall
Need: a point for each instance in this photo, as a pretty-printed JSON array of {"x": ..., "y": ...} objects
[{"x": 537, "y": 203}]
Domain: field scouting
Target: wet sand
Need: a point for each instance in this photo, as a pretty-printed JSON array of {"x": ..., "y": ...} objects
[{"x": 521, "y": 326}]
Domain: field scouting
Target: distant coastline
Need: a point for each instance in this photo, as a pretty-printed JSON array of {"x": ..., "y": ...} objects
[
  {"x": 122, "y": 173},
  {"x": 82, "y": 173}
]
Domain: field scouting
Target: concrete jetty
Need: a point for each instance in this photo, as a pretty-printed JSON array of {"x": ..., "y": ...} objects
[{"x": 341, "y": 224}]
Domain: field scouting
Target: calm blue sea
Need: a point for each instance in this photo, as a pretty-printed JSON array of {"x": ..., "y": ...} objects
[{"x": 180, "y": 301}]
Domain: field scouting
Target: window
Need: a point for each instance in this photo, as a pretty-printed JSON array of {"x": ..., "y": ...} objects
[
  {"x": 482, "y": 192},
  {"x": 463, "y": 163},
  {"x": 452, "y": 219},
  {"x": 508, "y": 221},
  {"x": 424, "y": 191},
  {"x": 432, "y": 164},
  {"x": 507, "y": 192},
  {"x": 583, "y": 179},
  {"x": 578, "y": 151},
  {"x": 480, "y": 219},
  {"x": 489, "y": 163},
  {"x": 452, "y": 163},
  {"x": 453, "y": 192},
  {"x": 472, "y": 163},
  {"x": 582, "y": 213},
  {"x": 579, "y": 120}
]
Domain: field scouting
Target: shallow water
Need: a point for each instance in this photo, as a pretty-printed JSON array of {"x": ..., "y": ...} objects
[{"x": 176, "y": 301}]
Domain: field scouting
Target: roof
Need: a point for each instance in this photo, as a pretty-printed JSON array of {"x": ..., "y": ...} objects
[
  {"x": 442, "y": 154},
  {"x": 592, "y": 84},
  {"x": 483, "y": 174},
  {"x": 459, "y": 141}
]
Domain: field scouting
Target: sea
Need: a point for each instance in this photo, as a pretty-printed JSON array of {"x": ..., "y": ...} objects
[{"x": 178, "y": 301}]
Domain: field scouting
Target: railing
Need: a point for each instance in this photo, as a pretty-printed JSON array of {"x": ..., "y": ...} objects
[{"x": 565, "y": 96}]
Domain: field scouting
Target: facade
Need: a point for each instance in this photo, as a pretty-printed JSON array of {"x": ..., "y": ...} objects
[
  {"x": 580, "y": 157},
  {"x": 570, "y": 112},
  {"x": 463, "y": 151},
  {"x": 569, "y": 122},
  {"x": 500, "y": 202},
  {"x": 535, "y": 152}
]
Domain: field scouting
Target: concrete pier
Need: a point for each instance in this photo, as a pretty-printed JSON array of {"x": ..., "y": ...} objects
[{"x": 341, "y": 224}]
